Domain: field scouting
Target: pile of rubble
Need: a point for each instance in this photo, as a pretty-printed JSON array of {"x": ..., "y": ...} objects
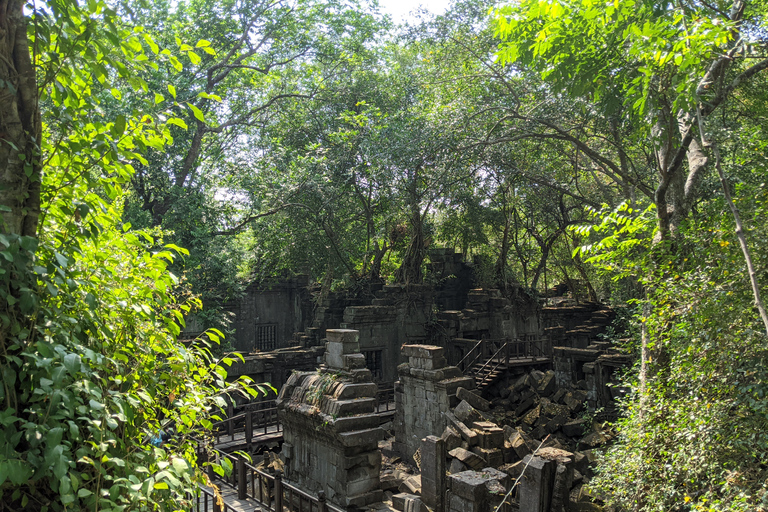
[{"x": 535, "y": 415}]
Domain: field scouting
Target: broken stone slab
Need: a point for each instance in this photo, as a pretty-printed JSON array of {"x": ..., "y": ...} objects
[
  {"x": 580, "y": 462},
  {"x": 522, "y": 383},
  {"x": 475, "y": 485},
  {"x": 593, "y": 440},
  {"x": 466, "y": 413},
  {"x": 531, "y": 416},
  {"x": 535, "y": 494},
  {"x": 555, "y": 423},
  {"x": 452, "y": 438},
  {"x": 562, "y": 487},
  {"x": 574, "y": 428},
  {"x": 537, "y": 376},
  {"x": 469, "y": 435},
  {"x": 548, "y": 385},
  {"x": 559, "y": 395},
  {"x": 552, "y": 409},
  {"x": 390, "y": 482},
  {"x": 514, "y": 470},
  {"x": 473, "y": 399},
  {"x": 525, "y": 405},
  {"x": 519, "y": 444},
  {"x": 411, "y": 485},
  {"x": 573, "y": 403},
  {"x": 467, "y": 458}
]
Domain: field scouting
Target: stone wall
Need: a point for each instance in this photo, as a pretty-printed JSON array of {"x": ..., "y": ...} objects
[
  {"x": 424, "y": 395},
  {"x": 331, "y": 432},
  {"x": 283, "y": 307},
  {"x": 400, "y": 314}
]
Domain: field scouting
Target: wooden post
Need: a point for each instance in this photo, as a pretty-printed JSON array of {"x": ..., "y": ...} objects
[
  {"x": 321, "y": 502},
  {"x": 230, "y": 423},
  {"x": 248, "y": 429},
  {"x": 279, "y": 491},
  {"x": 242, "y": 485}
]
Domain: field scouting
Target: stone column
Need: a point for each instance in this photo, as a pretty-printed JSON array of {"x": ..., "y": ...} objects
[
  {"x": 537, "y": 484},
  {"x": 433, "y": 481}
]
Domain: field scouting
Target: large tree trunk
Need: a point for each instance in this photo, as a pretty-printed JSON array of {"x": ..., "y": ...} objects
[{"x": 19, "y": 125}]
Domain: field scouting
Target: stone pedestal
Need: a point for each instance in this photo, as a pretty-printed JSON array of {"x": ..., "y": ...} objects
[
  {"x": 331, "y": 432},
  {"x": 424, "y": 394}
]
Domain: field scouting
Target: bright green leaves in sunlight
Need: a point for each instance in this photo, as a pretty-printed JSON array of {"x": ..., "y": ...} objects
[
  {"x": 616, "y": 49},
  {"x": 90, "y": 312}
]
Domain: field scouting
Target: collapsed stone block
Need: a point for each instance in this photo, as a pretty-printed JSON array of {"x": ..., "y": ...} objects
[
  {"x": 476, "y": 401},
  {"x": 476, "y": 491},
  {"x": 489, "y": 435},
  {"x": 468, "y": 458},
  {"x": 451, "y": 437},
  {"x": 466, "y": 413},
  {"x": 469, "y": 435},
  {"x": 433, "y": 473},
  {"x": 548, "y": 384}
]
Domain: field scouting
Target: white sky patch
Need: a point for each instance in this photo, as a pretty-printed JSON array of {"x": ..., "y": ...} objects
[{"x": 401, "y": 9}]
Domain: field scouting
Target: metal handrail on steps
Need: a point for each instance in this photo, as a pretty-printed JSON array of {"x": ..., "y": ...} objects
[
  {"x": 481, "y": 370},
  {"x": 467, "y": 366}
]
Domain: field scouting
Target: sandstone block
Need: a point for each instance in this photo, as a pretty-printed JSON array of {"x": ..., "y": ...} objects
[
  {"x": 473, "y": 399},
  {"x": 469, "y": 435},
  {"x": 548, "y": 385},
  {"x": 574, "y": 428},
  {"x": 466, "y": 413},
  {"x": 468, "y": 458}
]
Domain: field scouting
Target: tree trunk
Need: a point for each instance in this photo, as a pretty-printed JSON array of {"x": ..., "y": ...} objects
[{"x": 20, "y": 129}]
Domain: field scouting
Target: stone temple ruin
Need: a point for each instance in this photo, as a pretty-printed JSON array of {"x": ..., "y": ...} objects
[{"x": 499, "y": 403}]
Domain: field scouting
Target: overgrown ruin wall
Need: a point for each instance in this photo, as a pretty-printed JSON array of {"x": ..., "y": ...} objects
[
  {"x": 331, "y": 431},
  {"x": 424, "y": 395}
]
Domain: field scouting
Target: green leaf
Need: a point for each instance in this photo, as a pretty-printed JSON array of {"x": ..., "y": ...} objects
[
  {"x": 197, "y": 112},
  {"x": 172, "y": 90},
  {"x": 119, "y": 127},
  {"x": 72, "y": 363}
]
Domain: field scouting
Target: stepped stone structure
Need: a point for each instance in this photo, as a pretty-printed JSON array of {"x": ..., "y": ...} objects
[
  {"x": 424, "y": 396},
  {"x": 331, "y": 432}
]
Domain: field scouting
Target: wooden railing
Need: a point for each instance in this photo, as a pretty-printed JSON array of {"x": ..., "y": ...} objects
[
  {"x": 206, "y": 502},
  {"x": 270, "y": 491},
  {"x": 257, "y": 419}
]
